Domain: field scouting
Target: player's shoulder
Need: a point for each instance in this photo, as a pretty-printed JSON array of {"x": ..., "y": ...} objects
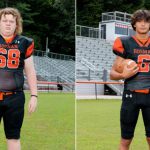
[
  {"x": 123, "y": 38},
  {"x": 122, "y": 41},
  {"x": 24, "y": 38}
]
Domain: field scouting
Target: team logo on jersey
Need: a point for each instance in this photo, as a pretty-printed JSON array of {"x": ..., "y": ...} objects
[
  {"x": 128, "y": 95},
  {"x": 17, "y": 41}
]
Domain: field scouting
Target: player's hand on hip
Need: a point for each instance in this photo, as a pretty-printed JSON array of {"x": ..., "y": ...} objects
[
  {"x": 129, "y": 72},
  {"x": 32, "y": 104}
]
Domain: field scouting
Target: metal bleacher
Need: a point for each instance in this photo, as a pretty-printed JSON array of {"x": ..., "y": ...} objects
[
  {"x": 94, "y": 56},
  {"x": 55, "y": 70},
  {"x": 95, "y": 51}
]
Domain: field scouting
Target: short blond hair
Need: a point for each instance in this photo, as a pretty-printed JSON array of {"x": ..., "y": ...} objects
[{"x": 15, "y": 12}]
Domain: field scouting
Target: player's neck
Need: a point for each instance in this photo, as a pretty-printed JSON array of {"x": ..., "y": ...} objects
[
  {"x": 141, "y": 36},
  {"x": 8, "y": 39},
  {"x": 7, "y": 36}
]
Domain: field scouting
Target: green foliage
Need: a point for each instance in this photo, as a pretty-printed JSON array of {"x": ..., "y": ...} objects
[
  {"x": 65, "y": 28},
  {"x": 2, "y": 4},
  {"x": 27, "y": 14},
  {"x": 98, "y": 126},
  {"x": 49, "y": 18},
  {"x": 89, "y": 11},
  {"x": 147, "y": 4},
  {"x": 51, "y": 127}
]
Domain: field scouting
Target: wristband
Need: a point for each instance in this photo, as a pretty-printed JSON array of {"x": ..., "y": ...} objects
[{"x": 34, "y": 96}]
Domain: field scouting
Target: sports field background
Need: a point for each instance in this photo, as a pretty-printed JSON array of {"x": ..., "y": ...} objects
[
  {"x": 51, "y": 127},
  {"x": 98, "y": 126}
]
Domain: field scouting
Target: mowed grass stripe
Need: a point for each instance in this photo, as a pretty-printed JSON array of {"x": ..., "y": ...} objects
[
  {"x": 51, "y": 127},
  {"x": 98, "y": 126}
]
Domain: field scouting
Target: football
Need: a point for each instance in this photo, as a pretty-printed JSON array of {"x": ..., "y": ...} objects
[{"x": 127, "y": 62}]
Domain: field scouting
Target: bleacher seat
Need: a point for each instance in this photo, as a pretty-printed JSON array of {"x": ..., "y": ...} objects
[
  {"x": 55, "y": 70},
  {"x": 96, "y": 51}
]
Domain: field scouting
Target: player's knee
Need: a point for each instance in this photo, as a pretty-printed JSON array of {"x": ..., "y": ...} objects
[
  {"x": 148, "y": 140},
  {"x": 13, "y": 141},
  {"x": 13, "y": 144},
  {"x": 126, "y": 142}
]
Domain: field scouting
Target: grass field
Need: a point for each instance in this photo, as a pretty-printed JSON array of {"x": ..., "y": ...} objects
[
  {"x": 51, "y": 127},
  {"x": 98, "y": 126}
]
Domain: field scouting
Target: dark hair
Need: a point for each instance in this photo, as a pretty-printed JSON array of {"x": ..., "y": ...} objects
[{"x": 140, "y": 15}]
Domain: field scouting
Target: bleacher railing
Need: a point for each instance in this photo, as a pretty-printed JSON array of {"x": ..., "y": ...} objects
[
  {"x": 53, "y": 55},
  {"x": 88, "y": 74},
  {"x": 44, "y": 86},
  {"x": 88, "y": 31},
  {"x": 88, "y": 64},
  {"x": 116, "y": 15}
]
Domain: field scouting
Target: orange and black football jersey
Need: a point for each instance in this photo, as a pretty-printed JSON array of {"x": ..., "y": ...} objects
[
  {"x": 13, "y": 52},
  {"x": 139, "y": 51}
]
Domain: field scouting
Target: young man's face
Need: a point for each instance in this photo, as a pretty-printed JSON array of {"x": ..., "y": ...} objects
[
  {"x": 142, "y": 27},
  {"x": 7, "y": 25}
]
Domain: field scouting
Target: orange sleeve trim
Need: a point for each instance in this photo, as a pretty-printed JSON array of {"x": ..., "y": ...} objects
[
  {"x": 30, "y": 50},
  {"x": 146, "y": 91},
  {"x": 118, "y": 46}
]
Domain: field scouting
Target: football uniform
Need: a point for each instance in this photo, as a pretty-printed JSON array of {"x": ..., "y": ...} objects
[
  {"x": 134, "y": 98},
  {"x": 131, "y": 48},
  {"x": 12, "y": 56},
  {"x": 13, "y": 52}
]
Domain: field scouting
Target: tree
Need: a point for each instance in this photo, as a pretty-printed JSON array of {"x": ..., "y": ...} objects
[
  {"x": 89, "y": 12},
  {"x": 147, "y": 4},
  {"x": 49, "y": 18}
]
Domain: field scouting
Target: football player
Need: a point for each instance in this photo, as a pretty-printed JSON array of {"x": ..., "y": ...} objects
[
  {"x": 15, "y": 59},
  {"x": 136, "y": 95}
]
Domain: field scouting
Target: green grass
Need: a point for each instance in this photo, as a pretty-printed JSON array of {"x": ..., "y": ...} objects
[
  {"x": 98, "y": 126},
  {"x": 51, "y": 127}
]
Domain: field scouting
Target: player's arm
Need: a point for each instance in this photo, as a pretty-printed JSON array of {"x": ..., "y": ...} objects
[
  {"x": 114, "y": 75},
  {"x": 31, "y": 75},
  {"x": 127, "y": 72},
  {"x": 119, "y": 50},
  {"x": 32, "y": 82}
]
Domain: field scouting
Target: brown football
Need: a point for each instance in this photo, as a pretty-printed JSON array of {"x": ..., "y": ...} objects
[{"x": 127, "y": 62}]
